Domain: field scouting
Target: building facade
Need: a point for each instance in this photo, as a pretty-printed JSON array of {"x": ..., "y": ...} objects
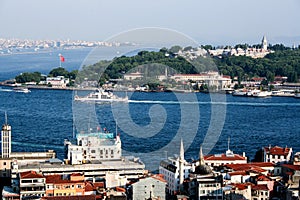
[
  {"x": 93, "y": 146},
  {"x": 153, "y": 187},
  {"x": 277, "y": 154},
  {"x": 57, "y": 82},
  {"x": 175, "y": 170}
]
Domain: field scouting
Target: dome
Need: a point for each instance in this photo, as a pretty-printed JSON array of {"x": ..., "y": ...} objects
[{"x": 203, "y": 170}]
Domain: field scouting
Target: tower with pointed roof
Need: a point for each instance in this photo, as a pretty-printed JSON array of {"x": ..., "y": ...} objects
[
  {"x": 6, "y": 139},
  {"x": 264, "y": 43}
]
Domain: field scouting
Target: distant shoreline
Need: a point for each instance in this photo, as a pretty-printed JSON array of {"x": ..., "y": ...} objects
[{"x": 46, "y": 87}]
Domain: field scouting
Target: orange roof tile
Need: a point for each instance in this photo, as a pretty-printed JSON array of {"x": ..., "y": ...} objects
[
  {"x": 88, "y": 187},
  {"x": 159, "y": 177},
  {"x": 120, "y": 189},
  {"x": 30, "y": 174},
  {"x": 57, "y": 179}
]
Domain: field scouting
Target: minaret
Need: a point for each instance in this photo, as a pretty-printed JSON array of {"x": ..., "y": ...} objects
[
  {"x": 264, "y": 43},
  {"x": 201, "y": 158},
  {"x": 181, "y": 163},
  {"x": 6, "y": 139}
]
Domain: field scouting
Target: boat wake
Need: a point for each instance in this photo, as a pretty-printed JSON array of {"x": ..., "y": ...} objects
[
  {"x": 212, "y": 103},
  {"x": 5, "y": 90}
]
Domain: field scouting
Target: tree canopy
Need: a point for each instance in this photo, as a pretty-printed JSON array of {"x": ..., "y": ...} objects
[
  {"x": 283, "y": 62},
  {"x": 37, "y": 76}
]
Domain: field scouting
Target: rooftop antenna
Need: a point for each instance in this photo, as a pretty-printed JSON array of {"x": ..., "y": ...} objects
[
  {"x": 116, "y": 128},
  {"x": 6, "y": 118},
  {"x": 73, "y": 129},
  {"x": 228, "y": 142},
  {"x": 89, "y": 124}
]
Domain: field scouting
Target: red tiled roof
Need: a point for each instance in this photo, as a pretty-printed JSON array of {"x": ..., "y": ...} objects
[
  {"x": 257, "y": 170},
  {"x": 98, "y": 184},
  {"x": 292, "y": 167},
  {"x": 56, "y": 179},
  {"x": 120, "y": 189},
  {"x": 245, "y": 167},
  {"x": 224, "y": 157},
  {"x": 88, "y": 187},
  {"x": 263, "y": 164},
  {"x": 159, "y": 177},
  {"x": 225, "y": 76},
  {"x": 262, "y": 177},
  {"x": 30, "y": 174},
  {"x": 79, "y": 197},
  {"x": 277, "y": 150},
  {"x": 260, "y": 187},
  {"x": 241, "y": 186},
  {"x": 76, "y": 174},
  {"x": 258, "y": 78},
  {"x": 243, "y": 173},
  {"x": 190, "y": 75}
]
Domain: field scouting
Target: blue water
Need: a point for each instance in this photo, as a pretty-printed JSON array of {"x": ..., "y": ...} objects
[{"x": 42, "y": 119}]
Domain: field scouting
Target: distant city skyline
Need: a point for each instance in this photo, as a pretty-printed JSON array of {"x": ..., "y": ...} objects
[{"x": 208, "y": 22}]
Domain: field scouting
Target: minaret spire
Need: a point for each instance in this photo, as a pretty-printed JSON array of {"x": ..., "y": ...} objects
[
  {"x": 201, "y": 158},
  {"x": 181, "y": 163},
  {"x": 181, "y": 150}
]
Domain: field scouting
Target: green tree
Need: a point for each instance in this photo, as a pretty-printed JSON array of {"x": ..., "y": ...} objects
[
  {"x": 28, "y": 77},
  {"x": 60, "y": 71},
  {"x": 175, "y": 49}
]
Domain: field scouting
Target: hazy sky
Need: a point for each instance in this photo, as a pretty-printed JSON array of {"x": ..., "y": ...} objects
[{"x": 208, "y": 22}]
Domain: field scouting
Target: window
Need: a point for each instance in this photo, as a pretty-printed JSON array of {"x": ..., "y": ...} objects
[
  {"x": 4, "y": 163},
  {"x": 93, "y": 151}
]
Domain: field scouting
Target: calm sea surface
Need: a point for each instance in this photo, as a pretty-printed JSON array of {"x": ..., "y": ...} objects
[{"x": 42, "y": 119}]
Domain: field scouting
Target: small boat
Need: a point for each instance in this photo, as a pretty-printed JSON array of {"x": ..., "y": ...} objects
[
  {"x": 283, "y": 93},
  {"x": 239, "y": 93},
  {"x": 101, "y": 96},
  {"x": 297, "y": 95},
  {"x": 21, "y": 89},
  {"x": 261, "y": 93}
]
